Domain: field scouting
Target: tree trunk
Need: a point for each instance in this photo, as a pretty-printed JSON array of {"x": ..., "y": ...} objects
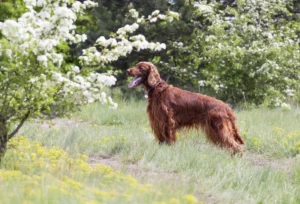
[
  {"x": 4, "y": 136},
  {"x": 3, "y": 139},
  {"x": 3, "y": 143}
]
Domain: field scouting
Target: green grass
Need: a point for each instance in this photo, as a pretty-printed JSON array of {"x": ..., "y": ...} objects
[{"x": 268, "y": 173}]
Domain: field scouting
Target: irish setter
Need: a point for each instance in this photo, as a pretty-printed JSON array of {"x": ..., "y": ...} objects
[{"x": 170, "y": 108}]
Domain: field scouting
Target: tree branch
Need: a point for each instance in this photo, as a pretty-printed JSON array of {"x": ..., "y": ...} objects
[{"x": 19, "y": 126}]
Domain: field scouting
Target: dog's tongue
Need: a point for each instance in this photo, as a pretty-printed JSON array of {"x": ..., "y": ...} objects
[{"x": 136, "y": 81}]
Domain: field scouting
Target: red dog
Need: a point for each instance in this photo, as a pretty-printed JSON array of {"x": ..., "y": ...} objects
[{"x": 170, "y": 108}]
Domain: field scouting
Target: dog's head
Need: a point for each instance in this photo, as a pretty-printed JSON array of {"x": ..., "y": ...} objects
[{"x": 144, "y": 73}]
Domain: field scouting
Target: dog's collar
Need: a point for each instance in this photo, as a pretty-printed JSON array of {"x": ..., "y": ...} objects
[{"x": 152, "y": 87}]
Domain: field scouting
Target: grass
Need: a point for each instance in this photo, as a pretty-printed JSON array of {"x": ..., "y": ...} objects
[
  {"x": 268, "y": 173},
  {"x": 32, "y": 173}
]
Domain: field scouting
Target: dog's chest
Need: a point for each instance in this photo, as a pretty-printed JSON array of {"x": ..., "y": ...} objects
[{"x": 155, "y": 107}]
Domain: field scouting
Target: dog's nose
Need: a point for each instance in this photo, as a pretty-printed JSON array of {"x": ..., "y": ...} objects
[{"x": 128, "y": 71}]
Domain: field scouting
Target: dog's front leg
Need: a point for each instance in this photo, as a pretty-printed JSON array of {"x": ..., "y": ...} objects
[{"x": 169, "y": 125}]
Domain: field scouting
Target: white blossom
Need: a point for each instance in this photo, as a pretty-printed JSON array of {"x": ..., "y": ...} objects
[
  {"x": 289, "y": 92},
  {"x": 201, "y": 83},
  {"x": 155, "y": 13},
  {"x": 152, "y": 20},
  {"x": 75, "y": 69},
  {"x": 285, "y": 106},
  {"x": 90, "y": 4},
  {"x": 9, "y": 53},
  {"x": 161, "y": 17},
  {"x": 134, "y": 13},
  {"x": 43, "y": 59}
]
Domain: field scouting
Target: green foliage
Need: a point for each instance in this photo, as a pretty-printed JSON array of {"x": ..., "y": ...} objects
[
  {"x": 11, "y": 9},
  {"x": 245, "y": 54}
]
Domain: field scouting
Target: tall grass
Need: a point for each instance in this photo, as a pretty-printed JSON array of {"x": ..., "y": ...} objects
[{"x": 268, "y": 173}]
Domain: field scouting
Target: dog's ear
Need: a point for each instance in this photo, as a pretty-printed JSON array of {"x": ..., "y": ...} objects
[{"x": 153, "y": 76}]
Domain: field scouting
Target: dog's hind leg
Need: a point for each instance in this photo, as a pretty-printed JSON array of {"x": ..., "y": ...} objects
[
  {"x": 229, "y": 135},
  {"x": 238, "y": 138},
  {"x": 171, "y": 135}
]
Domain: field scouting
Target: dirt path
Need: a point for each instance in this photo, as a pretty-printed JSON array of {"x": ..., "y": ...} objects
[
  {"x": 133, "y": 169},
  {"x": 260, "y": 160},
  {"x": 59, "y": 123},
  {"x": 283, "y": 164},
  {"x": 153, "y": 176}
]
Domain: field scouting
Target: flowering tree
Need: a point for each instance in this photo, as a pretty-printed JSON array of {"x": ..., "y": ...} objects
[
  {"x": 33, "y": 74},
  {"x": 121, "y": 43}
]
